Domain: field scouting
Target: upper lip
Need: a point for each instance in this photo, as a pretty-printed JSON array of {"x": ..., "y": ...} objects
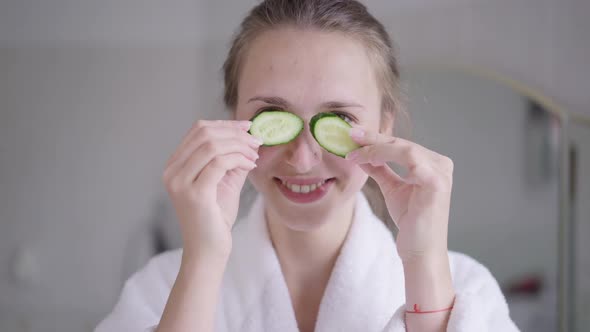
[{"x": 300, "y": 180}]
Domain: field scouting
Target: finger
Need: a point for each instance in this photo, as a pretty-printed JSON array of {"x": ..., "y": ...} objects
[
  {"x": 391, "y": 185},
  {"x": 200, "y": 124},
  {"x": 216, "y": 169},
  {"x": 426, "y": 168},
  {"x": 207, "y": 135},
  {"x": 214, "y": 128},
  {"x": 421, "y": 170},
  {"x": 366, "y": 137},
  {"x": 399, "y": 151},
  {"x": 207, "y": 152},
  {"x": 244, "y": 125},
  {"x": 427, "y": 177},
  {"x": 384, "y": 175},
  {"x": 239, "y": 173}
]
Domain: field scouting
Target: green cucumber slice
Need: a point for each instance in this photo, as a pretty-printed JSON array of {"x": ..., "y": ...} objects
[
  {"x": 331, "y": 132},
  {"x": 276, "y": 127}
]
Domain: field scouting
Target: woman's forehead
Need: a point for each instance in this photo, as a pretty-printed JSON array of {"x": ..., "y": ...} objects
[{"x": 307, "y": 65}]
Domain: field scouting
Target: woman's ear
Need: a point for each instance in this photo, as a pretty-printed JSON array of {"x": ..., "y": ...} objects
[{"x": 387, "y": 122}]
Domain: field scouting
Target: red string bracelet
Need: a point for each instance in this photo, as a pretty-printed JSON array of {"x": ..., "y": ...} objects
[{"x": 418, "y": 311}]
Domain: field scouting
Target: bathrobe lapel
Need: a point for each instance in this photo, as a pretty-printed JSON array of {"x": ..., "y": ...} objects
[{"x": 362, "y": 294}]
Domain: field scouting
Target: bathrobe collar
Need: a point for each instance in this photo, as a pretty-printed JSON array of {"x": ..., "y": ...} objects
[{"x": 362, "y": 294}]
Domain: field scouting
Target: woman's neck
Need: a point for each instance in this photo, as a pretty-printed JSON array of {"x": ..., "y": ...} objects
[
  {"x": 305, "y": 254},
  {"x": 307, "y": 259}
]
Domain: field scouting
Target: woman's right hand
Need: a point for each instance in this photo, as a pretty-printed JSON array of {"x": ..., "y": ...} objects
[{"x": 204, "y": 178}]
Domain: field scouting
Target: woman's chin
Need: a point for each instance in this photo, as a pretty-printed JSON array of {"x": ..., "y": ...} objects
[
  {"x": 299, "y": 218},
  {"x": 299, "y": 224}
]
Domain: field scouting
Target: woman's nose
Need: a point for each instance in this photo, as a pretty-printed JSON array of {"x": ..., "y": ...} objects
[{"x": 303, "y": 153}]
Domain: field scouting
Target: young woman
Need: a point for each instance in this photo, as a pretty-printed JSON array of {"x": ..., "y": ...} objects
[{"x": 311, "y": 255}]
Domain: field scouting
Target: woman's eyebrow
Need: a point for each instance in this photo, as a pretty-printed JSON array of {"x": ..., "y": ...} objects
[
  {"x": 340, "y": 104},
  {"x": 283, "y": 103},
  {"x": 278, "y": 101}
]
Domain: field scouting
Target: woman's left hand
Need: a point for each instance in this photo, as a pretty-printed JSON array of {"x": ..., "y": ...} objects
[{"x": 419, "y": 204}]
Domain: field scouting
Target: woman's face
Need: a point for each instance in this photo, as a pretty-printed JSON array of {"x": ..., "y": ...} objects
[{"x": 307, "y": 72}]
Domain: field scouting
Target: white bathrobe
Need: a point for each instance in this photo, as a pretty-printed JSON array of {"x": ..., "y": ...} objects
[{"x": 365, "y": 291}]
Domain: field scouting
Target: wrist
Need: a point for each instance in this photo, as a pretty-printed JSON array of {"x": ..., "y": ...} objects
[
  {"x": 214, "y": 260},
  {"x": 428, "y": 283},
  {"x": 426, "y": 260}
]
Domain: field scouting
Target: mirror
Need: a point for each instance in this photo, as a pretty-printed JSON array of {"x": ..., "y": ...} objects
[
  {"x": 505, "y": 211},
  {"x": 579, "y": 158}
]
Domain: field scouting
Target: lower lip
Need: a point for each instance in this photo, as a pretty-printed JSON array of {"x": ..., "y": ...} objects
[{"x": 304, "y": 198}]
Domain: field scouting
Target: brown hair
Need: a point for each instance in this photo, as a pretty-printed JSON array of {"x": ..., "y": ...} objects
[{"x": 345, "y": 16}]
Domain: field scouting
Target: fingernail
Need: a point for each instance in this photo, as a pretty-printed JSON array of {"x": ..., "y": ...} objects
[
  {"x": 356, "y": 132},
  {"x": 352, "y": 156},
  {"x": 258, "y": 140},
  {"x": 245, "y": 124}
]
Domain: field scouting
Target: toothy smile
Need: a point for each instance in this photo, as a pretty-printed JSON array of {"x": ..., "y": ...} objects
[{"x": 297, "y": 188}]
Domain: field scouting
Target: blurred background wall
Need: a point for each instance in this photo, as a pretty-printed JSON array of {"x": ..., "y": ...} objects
[{"x": 94, "y": 97}]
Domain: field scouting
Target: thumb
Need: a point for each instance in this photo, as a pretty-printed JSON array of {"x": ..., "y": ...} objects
[{"x": 385, "y": 177}]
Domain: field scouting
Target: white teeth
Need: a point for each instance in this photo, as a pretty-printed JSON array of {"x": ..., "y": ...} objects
[{"x": 303, "y": 188}]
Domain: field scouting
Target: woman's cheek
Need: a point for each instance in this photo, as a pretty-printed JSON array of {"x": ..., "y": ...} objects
[
  {"x": 266, "y": 156},
  {"x": 351, "y": 175},
  {"x": 263, "y": 170}
]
